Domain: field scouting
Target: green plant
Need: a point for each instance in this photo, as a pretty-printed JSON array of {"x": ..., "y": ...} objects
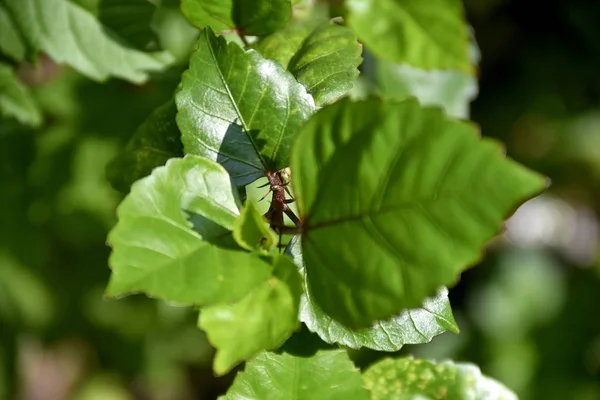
[{"x": 380, "y": 195}]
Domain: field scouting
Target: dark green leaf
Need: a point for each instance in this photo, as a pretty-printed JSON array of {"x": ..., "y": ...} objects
[
  {"x": 451, "y": 90},
  {"x": 251, "y": 230},
  {"x": 408, "y": 378},
  {"x": 16, "y": 100},
  {"x": 11, "y": 41},
  {"x": 131, "y": 21},
  {"x": 396, "y": 200},
  {"x": 155, "y": 141},
  {"x": 250, "y": 17},
  {"x": 71, "y": 34},
  {"x": 262, "y": 320},
  {"x": 428, "y": 35},
  {"x": 158, "y": 250},
  {"x": 413, "y": 326},
  {"x": 328, "y": 375},
  {"x": 239, "y": 109},
  {"x": 323, "y": 57}
]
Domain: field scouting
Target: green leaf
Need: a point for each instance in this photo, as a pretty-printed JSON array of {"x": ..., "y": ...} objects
[
  {"x": 410, "y": 196},
  {"x": 413, "y": 326},
  {"x": 154, "y": 142},
  {"x": 165, "y": 243},
  {"x": 251, "y": 230},
  {"x": 16, "y": 100},
  {"x": 323, "y": 57},
  {"x": 131, "y": 20},
  {"x": 249, "y": 17},
  {"x": 262, "y": 320},
  {"x": 70, "y": 34},
  {"x": 427, "y": 35},
  {"x": 239, "y": 109},
  {"x": 328, "y": 375},
  {"x": 451, "y": 90},
  {"x": 11, "y": 40},
  {"x": 409, "y": 378}
]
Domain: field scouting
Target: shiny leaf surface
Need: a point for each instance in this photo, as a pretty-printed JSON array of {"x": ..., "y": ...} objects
[
  {"x": 323, "y": 57},
  {"x": 239, "y": 109},
  {"x": 251, "y": 230}
]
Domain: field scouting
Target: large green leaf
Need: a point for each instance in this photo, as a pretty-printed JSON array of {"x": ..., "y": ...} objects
[
  {"x": 154, "y": 142},
  {"x": 413, "y": 326},
  {"x": 408, "y": 378},
  {"x": 71, "y": 34},
  {"x": 239, "y": 109},
  {"x": 327, "y": 375},
  {"x": 323, "y": 56},
  {"x": 11, "y": 40},
  {"x": 249, "y": 17},
  {"x": 16, "y": 100},
  {"x": 262, "y": 320},
  {"x": 395, "y": 201},
  {"x": 165, "y": 243},
  {"x": 426, "y": 34},
  {"x": 451, "y": 90}
]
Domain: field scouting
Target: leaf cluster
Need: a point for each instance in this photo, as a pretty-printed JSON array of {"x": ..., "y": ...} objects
[{"x": 379, "y": 197}]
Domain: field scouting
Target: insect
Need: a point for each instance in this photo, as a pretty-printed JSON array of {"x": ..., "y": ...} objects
[{"x": 278, "y": 186}]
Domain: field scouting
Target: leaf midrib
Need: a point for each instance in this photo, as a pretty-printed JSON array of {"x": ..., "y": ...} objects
[{"x": 232, "y": 100}]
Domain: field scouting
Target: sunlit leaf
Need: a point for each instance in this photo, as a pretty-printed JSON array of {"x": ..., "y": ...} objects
[
  {"x": 166, "y": 243},
  {"x": 408, "y": 378},
  {"x": 239, "y": 109},
  {"x": 323, "y": 57},
  {"x": 262, "y": 320},
  {"x": 396, "y": 200},
  {"x": 327, "y": 375},
  {"x": 154, "y": 142},
  {"x": 251, "y": 230},
  {"x": 426, "y": 34},
  {"x": 249, "y": 17},
  {"x": 16, "y": 100},
  {"x": 70, "y": 34},
  {"x": 413, "y": 326}
]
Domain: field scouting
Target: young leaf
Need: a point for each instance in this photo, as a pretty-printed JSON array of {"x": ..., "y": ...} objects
[
  {"x": 395, "y": 201},
  {"x": 154, "y": 142},
  {"x": 262, "y": 320},
  {"x": 451, "y": 90},
  {"x": 409, "y": 378},
  {"x": 16, "y": 100},
  {"x": 72, "y": 35},
  {"x": 251, "y": 230},
  {"x": 413, "y": 326},
  {"x": 250, "y": 17},
  {"x": 427, "y": 35},
  {"x": 239, "y": 109},
  {"x": 165, "y": 241},
  {"x": 323, "y": 56},
  {"x": 328, "y": 375},
  {"x": 11, "y": 41}
]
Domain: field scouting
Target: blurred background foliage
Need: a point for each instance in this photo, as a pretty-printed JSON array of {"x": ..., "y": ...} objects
[{"x": 528, "y": 314}]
